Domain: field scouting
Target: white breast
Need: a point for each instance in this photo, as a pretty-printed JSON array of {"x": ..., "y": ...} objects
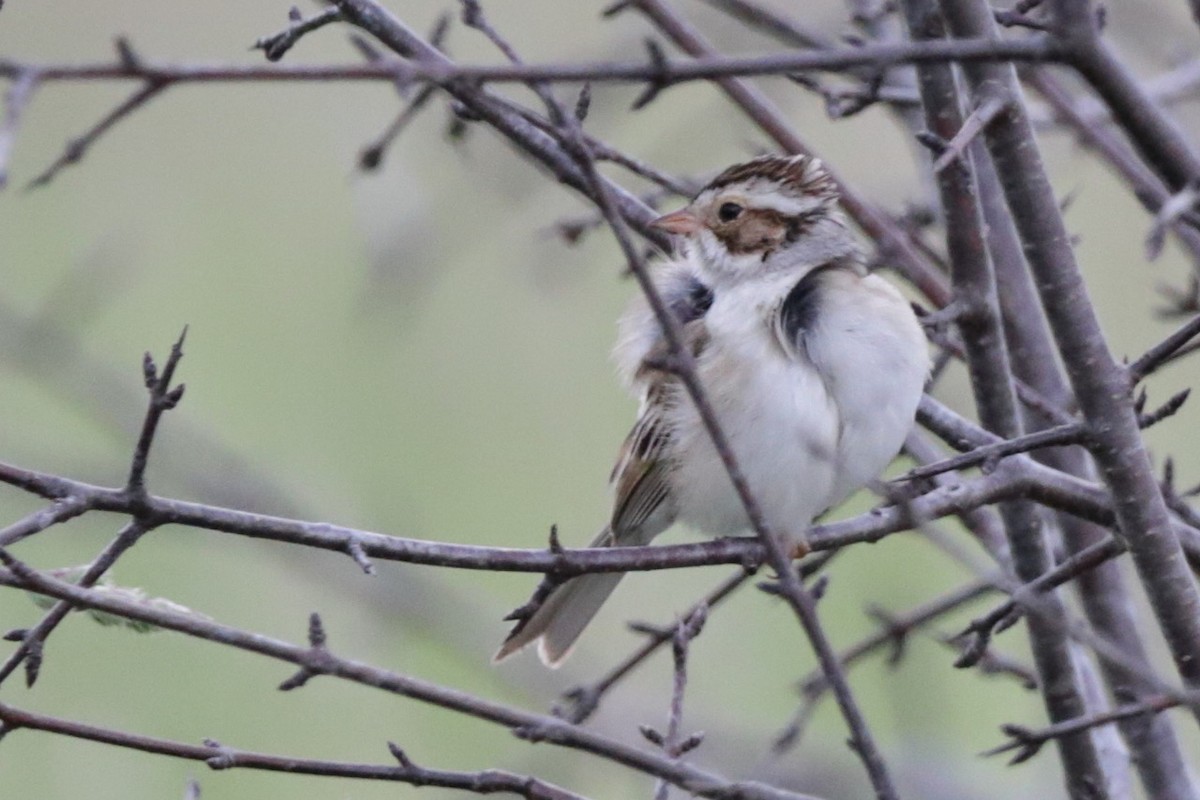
[
  {"x": 776, "y": 412},
  {"x": 806, "y": 430}
]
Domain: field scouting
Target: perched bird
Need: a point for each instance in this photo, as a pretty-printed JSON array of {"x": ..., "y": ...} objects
[{"x": 813, "y": 366}]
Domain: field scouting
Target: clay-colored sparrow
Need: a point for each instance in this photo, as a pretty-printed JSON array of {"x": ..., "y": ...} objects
[{"x": 813, "y": 366}]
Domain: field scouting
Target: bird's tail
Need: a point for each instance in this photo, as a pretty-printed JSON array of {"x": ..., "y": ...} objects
[{"x": 564, "y": 614}]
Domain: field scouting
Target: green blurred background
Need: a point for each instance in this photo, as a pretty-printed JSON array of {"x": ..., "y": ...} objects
[{"x": 415, "y": 352}]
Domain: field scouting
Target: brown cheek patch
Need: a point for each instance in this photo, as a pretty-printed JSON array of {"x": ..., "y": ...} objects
[{"x": 755, "y": 231}]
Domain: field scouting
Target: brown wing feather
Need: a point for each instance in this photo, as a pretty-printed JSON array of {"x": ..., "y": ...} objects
[{"x": 640, "y": 476}]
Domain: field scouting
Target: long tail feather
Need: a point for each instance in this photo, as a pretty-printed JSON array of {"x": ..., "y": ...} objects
[{"x": 564, "y": 614}]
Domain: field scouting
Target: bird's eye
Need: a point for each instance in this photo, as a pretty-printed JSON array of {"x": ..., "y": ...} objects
[{"x": 728, "y": 212}]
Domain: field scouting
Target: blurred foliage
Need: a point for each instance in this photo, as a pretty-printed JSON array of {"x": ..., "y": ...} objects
[{"x": 416, "y": 352}]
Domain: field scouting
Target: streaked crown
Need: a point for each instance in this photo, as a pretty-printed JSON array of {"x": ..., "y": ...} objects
[
  {"x": 796, "y": 175},
  {"x": 789, "y": 185}
]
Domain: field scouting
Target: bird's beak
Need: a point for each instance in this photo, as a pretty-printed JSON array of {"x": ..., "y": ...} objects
[{"x": 679, "y": 222}]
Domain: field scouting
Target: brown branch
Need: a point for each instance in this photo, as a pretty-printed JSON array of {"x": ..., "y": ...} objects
[
  {"x": 991, "y": 375},
  {"x": 78, "y": 147},
  {"x": 893, "y": 632},
  {"x": 871, "y": 526},
  {"x": 221, "y": 757},
  {"x": 1164, "y": 351},
  {"x": 1155, "y": 135},
  {"x": 584, "y": 700},
  {"x": 700, "y": 69},
  {"x": 29, "y": 651},
  {"x": 1060, "y": 436},
  {"x": 788, "y": 31},
  {"x": 529, "y": 726},
  {"x": 1007, "y": 613},
  {"x": 1027, "y": 742},
  {"x": 1149, "y": 190},
  {"x": 274, "y": 47},
  {"x": 163, "y": 398},
  {"x": 673, "y": 742},
  {"x": 967, "y": 132},
  {"x": 57, "y": 512}
]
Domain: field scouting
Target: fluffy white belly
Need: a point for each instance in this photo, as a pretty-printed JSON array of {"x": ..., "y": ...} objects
[{"x": 782, "y": 426}]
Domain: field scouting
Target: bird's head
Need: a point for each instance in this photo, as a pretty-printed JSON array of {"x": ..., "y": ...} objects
[{"x": 769, "y": 214}]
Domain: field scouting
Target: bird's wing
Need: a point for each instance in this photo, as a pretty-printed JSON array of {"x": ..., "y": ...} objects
[{"x": 641, "y": 476}]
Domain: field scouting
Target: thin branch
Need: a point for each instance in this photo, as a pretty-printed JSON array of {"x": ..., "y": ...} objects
[
  {"x": 971, "y": 127},
  {"x": 700, "y": 69},
  {"x": 221, "y": 757},
  {"x": 783, "y": 29},
  {"x": 275, "y": 46},
  {"x": 673, "y": 742},
  {"x": 893, "y": 633},
  {"x": 870, "y": 526},
  {"x": 1158, "y": 138},
  {"x": 1007, "y": 613},
  {"x": 78, "y": 147},
  {"x": 1027, "y": 742},
  {"x": 1017, "y": 479},
  {"x": 32, "y": 641},
  {"x": 371, "y": 155},
  {"x": 584, "y": 700},
  {"x": 163, "y": 398},
  {"x": 56, "y": 513},
  {"x": 527, "y": 725},
  {"x": 988, "y": 455},
  {"x": 1063, "y": 435},
  {"x": 1162, "y": 352},
  {"x": 1147, "y": 187}
]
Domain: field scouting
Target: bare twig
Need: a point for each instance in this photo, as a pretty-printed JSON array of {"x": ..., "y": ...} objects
[
  {"x": 894, "y": 630},
  {"x": 971, "y": 127},
  {"x": 673, "y": 742},
  {"x": 1042, "y": 49},
  {"x": 1027, "y": 742},
  {"x": 163, "y": 398},
  {"x": 525, "y": 724},
  {"x": 275, "y": 46},
  {"x": 585, "y": 699},
  {"x": 54, "y": 514},
  {"x": 987, "y": 456},
  {"x": 1149, "y": 190},
  {"x": 32, "y": 641},
  {"x": 1156, "y": 136},
  {"x": 1164, "y": 351},
  {"x": 78, "y": 147},
  {"x": 220, "y": 757}
]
